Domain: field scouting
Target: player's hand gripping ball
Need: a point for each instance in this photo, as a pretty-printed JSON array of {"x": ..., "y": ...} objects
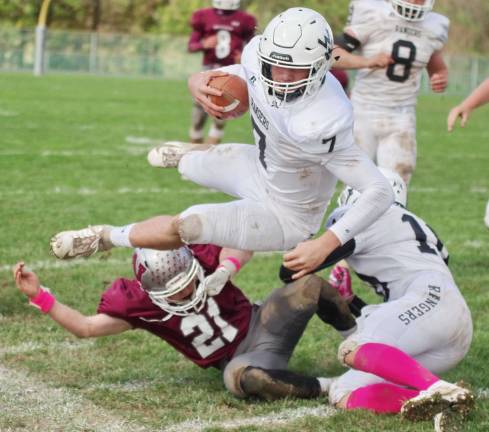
[{"x": 234, "y": 96}]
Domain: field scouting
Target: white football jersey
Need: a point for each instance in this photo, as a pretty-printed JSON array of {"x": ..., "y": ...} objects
[
  {"x": 297, "y": 145},
  {"x": 410, "y": 44},
  {"x": 394, "y": 250}
]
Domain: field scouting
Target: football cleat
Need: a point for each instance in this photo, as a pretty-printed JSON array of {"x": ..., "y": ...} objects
[
  {"x": 449, "y": 420},
  {"x": 169, "y": 154},
  {"x": 438, "y": 397},
  {"x": 81, "y": 243}
]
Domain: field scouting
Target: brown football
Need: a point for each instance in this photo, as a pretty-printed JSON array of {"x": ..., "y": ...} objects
[{"x": 234, "y": 94}]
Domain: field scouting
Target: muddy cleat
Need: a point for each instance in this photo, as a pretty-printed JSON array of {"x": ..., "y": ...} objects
[
  {"x": 438, "y": 397},
  {"x": 81, "y": 243},
  {"x": 169, "y": 154},
  {"x": 449, "y": 420}
]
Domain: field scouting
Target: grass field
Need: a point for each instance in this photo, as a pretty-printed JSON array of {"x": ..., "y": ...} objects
[{"x": 67, "y": 159}]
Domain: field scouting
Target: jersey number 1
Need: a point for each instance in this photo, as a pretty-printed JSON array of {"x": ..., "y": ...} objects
[{"x": 402, "y": 63}]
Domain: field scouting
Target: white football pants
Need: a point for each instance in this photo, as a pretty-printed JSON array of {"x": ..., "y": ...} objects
[
  {"x": 431, "y": 323},
  {"x": 388, "y": 137},
  {"x": 253, "y": 222}
]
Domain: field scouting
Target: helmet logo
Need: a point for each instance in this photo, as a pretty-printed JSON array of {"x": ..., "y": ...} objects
[
  {"x": 281, "y": 57},
  {"x": 327, "y": 45}
]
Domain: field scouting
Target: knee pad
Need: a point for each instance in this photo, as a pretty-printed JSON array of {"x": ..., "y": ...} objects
[
  {"x": 190, "y": 228},
  {"x": 346, "y": 347}
]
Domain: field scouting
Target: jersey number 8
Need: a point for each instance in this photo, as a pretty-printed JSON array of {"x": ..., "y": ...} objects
[{"x": 402, "y": 63}]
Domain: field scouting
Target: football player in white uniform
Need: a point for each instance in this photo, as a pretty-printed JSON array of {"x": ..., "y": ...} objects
[
  {"x": 302, "y": 122},
  {"x": 384, "y": 100},
  {"x": 423, "y": 328}
]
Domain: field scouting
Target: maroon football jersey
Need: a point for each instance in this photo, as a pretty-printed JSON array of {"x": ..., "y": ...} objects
[
  {"x": 206, "y": 337},
  {"x": 232, "y": 28}
]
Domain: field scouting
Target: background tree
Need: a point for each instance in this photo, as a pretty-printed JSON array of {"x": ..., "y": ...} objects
[{"x": 469, "y": 29}]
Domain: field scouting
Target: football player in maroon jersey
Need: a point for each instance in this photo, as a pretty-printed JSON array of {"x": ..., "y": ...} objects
[
  {"x": 185, "y": 297},
  {"x": 220, "y": 32}
]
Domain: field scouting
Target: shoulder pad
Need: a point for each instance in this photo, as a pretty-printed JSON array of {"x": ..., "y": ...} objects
[{"x": 325, "y": 117}]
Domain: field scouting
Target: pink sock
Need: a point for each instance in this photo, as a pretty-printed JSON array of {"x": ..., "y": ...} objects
[
  {"x": 393, "y": 365},
  {"x": 380, "y": 398}
]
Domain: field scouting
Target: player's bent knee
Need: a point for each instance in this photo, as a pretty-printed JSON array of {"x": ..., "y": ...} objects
[
  {"x": 347, "y": 347},
  {"x": 252, "y": 380},
  {"x": 232, "y": 378},
  {"x": 304, "y": 292},
  {"x": 190, "y": 228},
  {"x": 256, "y": 381}
]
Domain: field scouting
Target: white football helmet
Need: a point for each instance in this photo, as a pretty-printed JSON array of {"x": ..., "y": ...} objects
[
  {"x": 410, "y": 11},
  {"x": 163, "y": 274},
  {"x": 349, "y": 195},
  {"x": 226, "y": 4},
  {"x": 298, "y": 38}
]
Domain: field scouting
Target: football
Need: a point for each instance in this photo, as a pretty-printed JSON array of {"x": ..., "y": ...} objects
[{"x": 234, "y": 97}]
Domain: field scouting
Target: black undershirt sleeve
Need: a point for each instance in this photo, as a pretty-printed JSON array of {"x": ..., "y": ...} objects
[
  {"x": 347, "y": 42},
  {"x": 341, "y": 252}
]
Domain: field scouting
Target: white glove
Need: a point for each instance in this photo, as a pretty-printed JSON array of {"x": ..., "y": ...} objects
[{"x": 215, "y": 282}]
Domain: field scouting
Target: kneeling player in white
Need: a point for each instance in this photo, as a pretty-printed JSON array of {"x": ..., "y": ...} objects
[
  {"x": 302, "y": 122},
  {"x": 170, "y": 298},
  {"x": 423, "y": 328},
  {"x": 384, "y": 100}
]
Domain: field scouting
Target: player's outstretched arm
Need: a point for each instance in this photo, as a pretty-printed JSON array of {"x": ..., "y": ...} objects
[
  {"x": 347, "y": 60},
  {"x": 478, "y": 97},
  {"x": 438, "y": 72},
  {"x": 72, "y": 320}
]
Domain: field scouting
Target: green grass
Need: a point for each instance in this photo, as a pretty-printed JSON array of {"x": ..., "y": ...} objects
[{"x": 65, "y": 163}]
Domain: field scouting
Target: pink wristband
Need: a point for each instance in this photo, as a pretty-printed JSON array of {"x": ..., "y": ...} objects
[
  {"x": 44, "y": 300},
  {"x": 235, "y": 261}
]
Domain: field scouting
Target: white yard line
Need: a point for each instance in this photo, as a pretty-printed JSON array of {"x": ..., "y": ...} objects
[
  {"x": 55, "y": 264},
  {"x": 479, "y": 189},
  {"x": 39, "y": 407},
  {"x": 274, "y": 419},
  {"x": 145, "y": 141},
  {"x": 27, "y": 347},
  {"x": 474, "y": 244},
  {"x": 5, "y": 113},
  {"x": 81, "y": 262},
  {"x": 125, "y": 190},
  {"x": 127, "y": 151}
]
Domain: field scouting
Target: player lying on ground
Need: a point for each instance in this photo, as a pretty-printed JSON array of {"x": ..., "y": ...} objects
[
  {"x": 302, "y": 122},
  {"x": 410, "y": 37},
  {"x": 479, "y": 97},
  {"x": 251, "y": 344},
  {"x": 423, "y": 328},
  {"x": 220, "y": 33}
]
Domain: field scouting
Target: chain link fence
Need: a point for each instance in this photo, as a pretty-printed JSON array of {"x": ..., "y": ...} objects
[{"x": 162, "y": 56}]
